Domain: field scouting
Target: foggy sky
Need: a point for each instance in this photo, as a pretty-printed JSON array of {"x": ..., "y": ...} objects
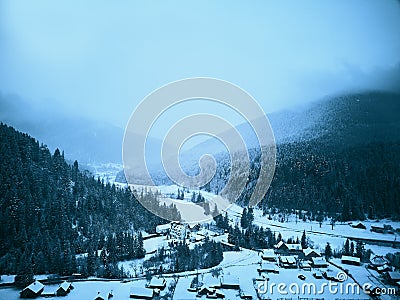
[{"x": 100, "y": 60}]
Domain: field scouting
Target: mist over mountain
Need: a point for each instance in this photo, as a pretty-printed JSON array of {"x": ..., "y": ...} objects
[
  {"x": 90, "y": 141},
  {"x": 350, "y": 169}
]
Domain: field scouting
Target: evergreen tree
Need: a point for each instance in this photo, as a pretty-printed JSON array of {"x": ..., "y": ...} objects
[
  {"x": 304, "y": 243},
  {"x": 328, "y": 251}
]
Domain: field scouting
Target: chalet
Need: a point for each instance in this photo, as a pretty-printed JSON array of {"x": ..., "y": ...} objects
[
  {"x": 310, "y": 253},
  {"x": 216, "y": 295},
  {"x": 195, "y": 228},
  {"x": 230, "y": 282},
  {"x": 351, "y": 260},
  {"x": 268, "y": 268},
  {"x": 178, "y": 230},
  {"x": 141, "y": 293},
  {"x": 210, "y": 293},
  {"x": 33, "y": 290},
  {"x": 163, "y": 228},
  {"x": 157, "y": 283},
  {"x": 49, "y": 291},
  {"x": 377, "y": 229},
  {"x": 305, "y": 265},
  {"x": 359, "y": 226},
  {"x": 281, "y": 247},
  {"x": 393, "y": 277},
  {"x": 384, "y": 268},
  {"x": 269, "y": 255},
  {"x": 288, "y": 262},
  {"x": 319, "y": 262},
  {"x": 64, "y": 288},
  {"x": 100, "y": 296},
  {"x": 377, "y": 261},
  {"x": 204, "y": 290},
  {"x": 294, "y": 248},
  {"x": 384, "y": 229}
]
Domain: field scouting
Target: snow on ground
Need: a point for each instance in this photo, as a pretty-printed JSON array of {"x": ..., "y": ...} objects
[
  {"x": 321, "y": 235},
  {"x": 190, "y": 212},
  {"x": 88, "y": 290}
]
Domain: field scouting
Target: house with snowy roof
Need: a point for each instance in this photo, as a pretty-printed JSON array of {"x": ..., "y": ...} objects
[
  {"x": 310, "y": 253},
  {"x": 33, "y": 290},
  {"x": 230, "y": 282},
  {"x": 141, "y": 293},
  {"x": 377, "y": 261},
  {"x": 351, "y": 260},
  {"x": 268, "y": 255},
  {"x": 157, "y": 283},
  {"x": 319, "y": 262},
  {"x": 281, "y": 247},
  {"x": 288, "y": 262},
  {"x": 294, "y": 248},
  {"x": 64, "y": 289},
  {"x": 268, "y": 268}
]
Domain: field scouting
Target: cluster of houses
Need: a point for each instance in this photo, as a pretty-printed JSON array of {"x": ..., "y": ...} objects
[
  {"x": 36, "y": 289},
  {"x": 290, "y": 256},
  {"x": 215, "y": 290},
  {"x": 176, "y": 230},
  {"x": 387, "y": 228}
]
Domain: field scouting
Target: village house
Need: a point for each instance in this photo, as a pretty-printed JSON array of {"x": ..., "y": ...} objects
[
  {"x": 294, "y": 248},
  {"x": 359, "y": 226},
  {"x": 141, "y": 293},
  {"x": 310, "y": 253},
  {"x": 319, "y": 262},
  {"x": 49, "y": 291},
  {"x": 288, "y": 262},
  {"x": 163, "y": 229},
  {"x": 268, "y": 268},
  {"x": 210, "y": 293},
  {"x": 64, "y": 289},
  {"x": 384, "y": 229},
  {"x": 305, "y": 265},
  {"x": 33, "y": 290},
  {"x": 230, "y": 282},
  {"x": 281, "y": 247},
  {"x": 351, "y": 260},
  {"x": 269, "y": 255},
  {"x": 377, "y": 261},
  {"x": 157, "y": 283},
  {"x": 178, "y": 230}
]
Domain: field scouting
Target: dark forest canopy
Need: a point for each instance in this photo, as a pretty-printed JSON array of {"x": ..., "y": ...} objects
[
  {"x": 51, "y": 211},
  {"x": 349, "y": 170}
]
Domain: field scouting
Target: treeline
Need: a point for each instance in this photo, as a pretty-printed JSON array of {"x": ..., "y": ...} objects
[
  {"x": 344, "y": 183},
  {"x": 51, "y": 211},
  {"x": 179, "y": 257}
]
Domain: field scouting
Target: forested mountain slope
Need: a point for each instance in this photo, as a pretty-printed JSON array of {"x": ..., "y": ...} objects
[
  {"x": 51, "y": 211},
  {"x": 351, "y": 169}
]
